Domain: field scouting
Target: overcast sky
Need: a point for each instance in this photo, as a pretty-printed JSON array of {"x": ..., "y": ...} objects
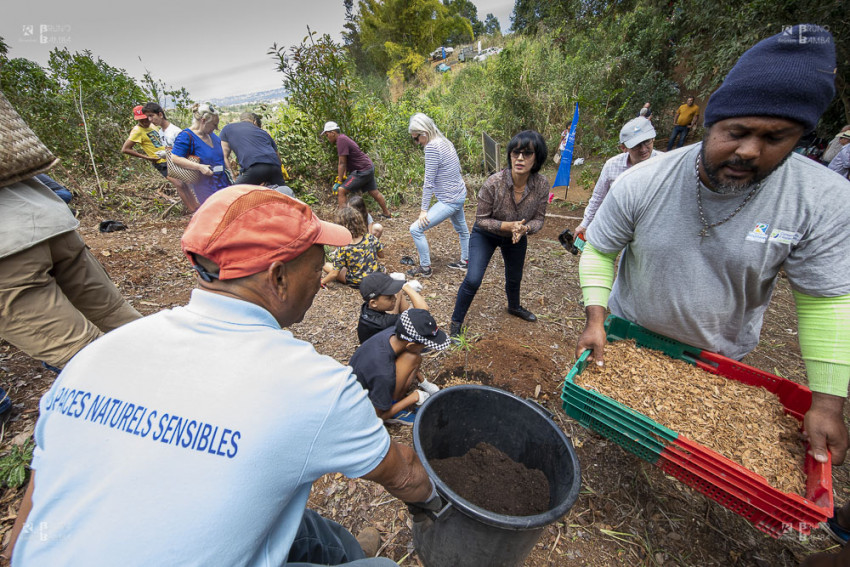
[{"x": 213, "y": 48}]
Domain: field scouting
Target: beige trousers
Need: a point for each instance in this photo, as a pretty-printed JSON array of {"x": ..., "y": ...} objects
[{"x": 55, "y": 298}]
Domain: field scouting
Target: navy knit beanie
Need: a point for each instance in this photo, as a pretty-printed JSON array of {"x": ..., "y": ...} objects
[{"x": 790, "y": 75}]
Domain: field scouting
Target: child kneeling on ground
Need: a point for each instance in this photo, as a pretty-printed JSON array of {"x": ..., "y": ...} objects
[
  {"x": 383, "y": 300},
  {"x": 387, "y": 365},
  {"x": 351, "y": 263}
]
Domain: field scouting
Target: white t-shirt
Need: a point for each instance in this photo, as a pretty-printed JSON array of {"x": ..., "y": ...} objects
[
  {"x": 191, "y": 437},
  {"x": 169, "y": 134},
  {"x": 712, "y": 292}
]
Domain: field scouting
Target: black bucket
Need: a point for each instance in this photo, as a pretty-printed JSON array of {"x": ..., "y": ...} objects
[{"x": 452, "y": 422}]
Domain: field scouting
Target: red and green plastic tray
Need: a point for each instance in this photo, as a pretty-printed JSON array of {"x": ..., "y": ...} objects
[{"x": 733, "y": 486}]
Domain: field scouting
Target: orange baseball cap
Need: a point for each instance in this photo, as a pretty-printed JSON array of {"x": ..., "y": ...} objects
[
  {"x": 138, "y": 114},
  {"x": 245, "y": 228}
]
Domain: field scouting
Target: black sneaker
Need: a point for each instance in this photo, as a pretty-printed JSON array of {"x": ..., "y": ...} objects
[
  {"x": 459, "y": 265},
  {"x": 455, "y": 329},
  {"x": 522, "y": 313},
  {"x": 419, "y": 272}
]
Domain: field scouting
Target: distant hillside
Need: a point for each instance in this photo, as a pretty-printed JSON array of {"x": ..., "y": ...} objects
[{"x": 247, "y": 98}]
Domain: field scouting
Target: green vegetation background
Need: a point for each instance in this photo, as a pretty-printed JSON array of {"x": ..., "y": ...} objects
[{"x": 609, "y": 56}]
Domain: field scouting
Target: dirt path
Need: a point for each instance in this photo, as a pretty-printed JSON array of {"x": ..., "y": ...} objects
[{"x": 628, "y": 513}]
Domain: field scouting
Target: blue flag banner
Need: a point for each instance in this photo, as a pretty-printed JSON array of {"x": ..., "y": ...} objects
[{"x": 563, "y": 177}]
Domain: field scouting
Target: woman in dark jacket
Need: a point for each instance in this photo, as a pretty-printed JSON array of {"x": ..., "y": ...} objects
[{"x": 511, "y": 205}]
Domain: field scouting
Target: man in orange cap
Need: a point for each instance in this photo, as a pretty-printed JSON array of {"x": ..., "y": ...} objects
[{"x": 209, "y": 423}]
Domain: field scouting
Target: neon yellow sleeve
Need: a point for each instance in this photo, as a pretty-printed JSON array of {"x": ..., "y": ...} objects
[
  {"x": 824, "y": 334},
  {"x": 596, "y": 273}
]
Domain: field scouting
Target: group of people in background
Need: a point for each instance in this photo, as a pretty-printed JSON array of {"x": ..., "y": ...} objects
[
  {"x": 511, "y": 205},
  {"x": 685, "y": 119},
  {"x": 199, "y": 149}
]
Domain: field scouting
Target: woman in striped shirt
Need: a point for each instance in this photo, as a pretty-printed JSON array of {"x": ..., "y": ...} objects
[{"x": 444, "y": 182}]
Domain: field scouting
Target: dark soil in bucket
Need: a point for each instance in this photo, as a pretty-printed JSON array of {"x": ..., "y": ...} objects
[{"x": 491, "y": 480}]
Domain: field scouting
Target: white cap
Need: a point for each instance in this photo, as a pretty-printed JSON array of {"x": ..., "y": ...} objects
[
  {"x": 329, "y": 126},
  {"x": 636, "y": 131}
]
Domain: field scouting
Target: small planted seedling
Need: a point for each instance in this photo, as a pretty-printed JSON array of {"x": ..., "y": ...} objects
[
  {"x": 13, "y": 467},
  {"x": 464, "y": 342}
]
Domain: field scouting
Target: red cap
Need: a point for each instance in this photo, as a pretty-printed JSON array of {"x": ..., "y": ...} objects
[
  {"x": 138, "y": 114},
  {"x": 245, "y": 228}
]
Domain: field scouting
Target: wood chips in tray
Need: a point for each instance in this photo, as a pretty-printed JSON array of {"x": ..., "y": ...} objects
[{"x": 746, "y": 424}]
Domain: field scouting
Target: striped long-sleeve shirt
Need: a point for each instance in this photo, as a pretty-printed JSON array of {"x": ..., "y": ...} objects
[{"x": 442, "y": 174}]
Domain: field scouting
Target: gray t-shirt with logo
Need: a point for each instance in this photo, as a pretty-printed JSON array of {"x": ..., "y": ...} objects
[{"x": 712, "y": 292}]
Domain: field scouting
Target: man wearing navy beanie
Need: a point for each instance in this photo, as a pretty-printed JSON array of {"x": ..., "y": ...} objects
[{"x": 704, "y": 230}]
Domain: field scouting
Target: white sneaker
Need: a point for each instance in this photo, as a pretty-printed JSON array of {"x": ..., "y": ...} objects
[{"x": 429, "y": 387}]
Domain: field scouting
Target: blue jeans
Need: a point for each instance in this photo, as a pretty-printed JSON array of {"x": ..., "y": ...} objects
[
  {"x": 681, "y": 132},
  {"x": 436, "y": 214},
  {"x": 482, "y": 245},
  {"x": 320, "y": 541}
]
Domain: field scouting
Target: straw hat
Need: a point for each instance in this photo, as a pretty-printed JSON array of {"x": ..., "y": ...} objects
[{"x": 22, "y": 155}]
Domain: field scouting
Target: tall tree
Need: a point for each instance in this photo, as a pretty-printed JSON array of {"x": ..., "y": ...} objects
[
  {"x": 527, "y": 15},
  {"x": 396, "y": 35},
  {"x": 492, "y": 25},
  {"x": 318, "y": 76},
  {"x": 468, "y": 10}
]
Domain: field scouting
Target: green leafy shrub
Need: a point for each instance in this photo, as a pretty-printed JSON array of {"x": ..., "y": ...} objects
[{"x": 13, "y": 467}]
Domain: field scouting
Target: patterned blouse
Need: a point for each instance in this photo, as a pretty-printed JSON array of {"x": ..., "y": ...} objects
[
  {"x": 360, "y": 259},
  {"x": 496, "y": 203}
]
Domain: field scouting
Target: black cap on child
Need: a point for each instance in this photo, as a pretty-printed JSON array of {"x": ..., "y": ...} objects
[{"x": 379, "y": 283}]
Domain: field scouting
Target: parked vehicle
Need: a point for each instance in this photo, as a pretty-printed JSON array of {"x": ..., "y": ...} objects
[
  {"x": 487, "y": 53},
  {"x": 441, "y": 53},
  {"x": 466, "y": 54}
]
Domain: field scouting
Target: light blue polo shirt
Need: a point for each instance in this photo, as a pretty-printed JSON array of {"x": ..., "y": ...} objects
[{"x": 191, "y": 437}]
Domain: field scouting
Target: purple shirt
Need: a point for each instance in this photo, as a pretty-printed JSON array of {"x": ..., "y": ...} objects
[{"x": 357, "y": 160}]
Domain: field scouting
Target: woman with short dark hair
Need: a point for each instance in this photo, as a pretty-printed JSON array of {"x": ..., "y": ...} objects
[{"x": 511, "y": 205}]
